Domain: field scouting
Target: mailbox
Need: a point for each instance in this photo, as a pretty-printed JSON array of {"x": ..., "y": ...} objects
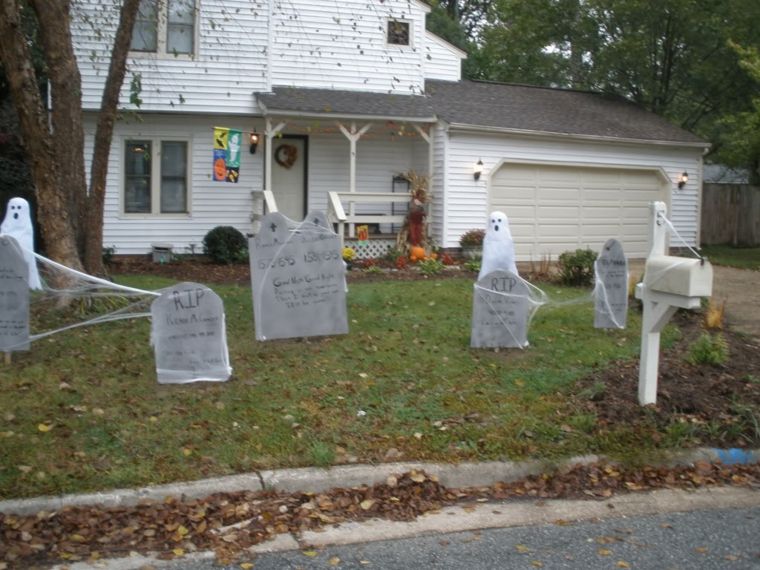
[{"x": 679, "y": 276}]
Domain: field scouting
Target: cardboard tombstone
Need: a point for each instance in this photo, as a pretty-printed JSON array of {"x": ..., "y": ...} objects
[
  {"x": 498, "y": 246},
  {"x": 14, "y": 297},
  {"x": 298, "y": 279},
  {"x": 189, "y": 336},
  {"x": 501, "y": 308},
  {"x": 611, "y": 300},
  {"x": 18, "y": 225}
]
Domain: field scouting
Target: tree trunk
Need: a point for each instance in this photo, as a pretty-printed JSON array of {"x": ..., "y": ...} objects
[
  {"x": 52, "y": 204},
  {"x": 54, "y": 22},
  {"x": 93, "y": 252}
]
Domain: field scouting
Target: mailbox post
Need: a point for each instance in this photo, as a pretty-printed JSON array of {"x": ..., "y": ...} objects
[{"x": 669, "y": 283}]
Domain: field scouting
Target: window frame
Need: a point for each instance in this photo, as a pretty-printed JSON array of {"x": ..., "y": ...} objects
[
  {"x": 156, "y": 178},
  {"x": 162, "y": 38},
  {"x": 406, "y": 21}
]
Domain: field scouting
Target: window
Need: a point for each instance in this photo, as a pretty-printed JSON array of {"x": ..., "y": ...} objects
[
  {"x": 165, "y": 27},
  {"x": 155, "y": 177},
  {"x": 398, "y": 32}
]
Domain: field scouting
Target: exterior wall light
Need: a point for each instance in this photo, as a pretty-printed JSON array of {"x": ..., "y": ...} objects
[
  {"x": 478, "y": 170},
  {"x": 254, "y": 141},
  {"x": 683, "y": 180}
]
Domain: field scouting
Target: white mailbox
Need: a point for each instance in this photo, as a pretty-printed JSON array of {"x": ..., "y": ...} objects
[{"x": 679, "y": 276}]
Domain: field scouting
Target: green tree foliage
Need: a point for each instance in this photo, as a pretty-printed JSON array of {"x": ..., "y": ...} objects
[{"x": 672, "y": 57}]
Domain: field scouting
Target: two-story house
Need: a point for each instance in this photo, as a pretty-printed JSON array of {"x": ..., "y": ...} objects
[{"x": 344, "y": 97}]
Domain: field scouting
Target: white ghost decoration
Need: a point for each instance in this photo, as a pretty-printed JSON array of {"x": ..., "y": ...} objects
[
  {"x": 498, "y": 246},
  {"x": 18, "y": 225}
]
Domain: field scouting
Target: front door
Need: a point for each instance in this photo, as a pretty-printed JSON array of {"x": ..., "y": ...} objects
[{"x": 289, "y": 163}]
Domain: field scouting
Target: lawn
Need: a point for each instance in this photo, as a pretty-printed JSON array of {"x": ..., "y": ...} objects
[
  {"x": 82, "y": 410},
  {"x": 741, "y": 257}
]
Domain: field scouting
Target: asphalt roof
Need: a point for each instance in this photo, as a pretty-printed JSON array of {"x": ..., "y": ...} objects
[
  {"x": 490, "y": 105},
  {"x": 286, "y": 100},
  {"x": 563, "y": 111}
]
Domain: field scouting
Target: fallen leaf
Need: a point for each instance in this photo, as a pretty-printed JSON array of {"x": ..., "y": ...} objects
[
  {"x": 391, "y": 481},
  {"x": 366, "y": 504},
  {"x": 731, "y": 557},
  {"x": 309, "y": 553},
  {"x": 44, "y": 428},
  {"x": 701, "y": 549},
  {"x": 537, "y": 564},
  {"x": 98, "y": 411},
  {"x": 622, "y": 564},
  {"x": 604, "y": 552},
  {"x": 521, "y": 548},
  {"x": 246, "y": 565},
  {"x": 417, "y": 476},
  {"x": 178, "y": 552},
  {"x": 187, "y": 452},
  {"x": 334, "y": 561}
]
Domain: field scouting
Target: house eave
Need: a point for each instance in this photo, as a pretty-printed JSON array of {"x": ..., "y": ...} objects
[
  {"x": 344, "y": 116},
  {"x": 574, "y": 136}
]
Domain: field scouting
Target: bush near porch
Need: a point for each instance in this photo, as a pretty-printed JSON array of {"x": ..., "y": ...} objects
[{"x": 82, "y": 410}]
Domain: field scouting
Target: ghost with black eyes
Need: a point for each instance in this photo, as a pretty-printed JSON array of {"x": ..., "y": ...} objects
[
  {"x": 18, "y": 225},
  {"x": 498, "y": 246}
]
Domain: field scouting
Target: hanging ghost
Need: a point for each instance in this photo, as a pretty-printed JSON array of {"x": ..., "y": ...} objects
[
  {"x": 498, "y": 246},
  {"x": 18, "y": 225}
]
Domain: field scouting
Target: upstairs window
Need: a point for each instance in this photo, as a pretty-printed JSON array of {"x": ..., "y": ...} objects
[
  {"x": 398, "y": 32},
  {"x": 165, "y": 27}
]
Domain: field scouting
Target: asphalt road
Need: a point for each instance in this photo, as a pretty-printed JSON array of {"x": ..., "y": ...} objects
[{"x": 719, "y": 539}]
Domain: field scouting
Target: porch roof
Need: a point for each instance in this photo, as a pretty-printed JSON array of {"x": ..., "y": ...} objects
[
  {"x": 296, "y": 101},
  {"x": 525, "y": 108}
]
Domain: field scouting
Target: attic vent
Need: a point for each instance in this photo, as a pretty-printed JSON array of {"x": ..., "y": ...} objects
[{"x": 398, "y": 32}]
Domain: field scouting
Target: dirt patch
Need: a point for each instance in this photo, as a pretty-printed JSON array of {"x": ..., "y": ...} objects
[{"x": 720, "y": 404}]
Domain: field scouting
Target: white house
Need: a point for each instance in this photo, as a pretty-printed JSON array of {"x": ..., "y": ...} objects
[{"x": 345, "y": 96}]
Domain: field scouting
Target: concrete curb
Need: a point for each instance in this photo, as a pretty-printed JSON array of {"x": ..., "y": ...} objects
[{"x": 314, "y": 480}]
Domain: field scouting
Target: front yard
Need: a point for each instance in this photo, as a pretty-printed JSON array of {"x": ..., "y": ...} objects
[{"x": 82, "y": 410}]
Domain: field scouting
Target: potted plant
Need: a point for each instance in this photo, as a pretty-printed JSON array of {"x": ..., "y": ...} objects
[{"x": 471, "y": 243}]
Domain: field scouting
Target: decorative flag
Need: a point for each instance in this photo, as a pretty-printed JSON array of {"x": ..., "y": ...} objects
[{"x": 227, "y": 143}]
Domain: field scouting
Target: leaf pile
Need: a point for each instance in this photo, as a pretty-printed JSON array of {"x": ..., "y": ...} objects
[{"x": 228, "y": 523}]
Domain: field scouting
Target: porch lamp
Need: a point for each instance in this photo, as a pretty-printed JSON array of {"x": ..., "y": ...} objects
[
  {"x": 254, "y": 141},
  {"x": 683, "y": 180},
  {"x": 477, "y": 170}
]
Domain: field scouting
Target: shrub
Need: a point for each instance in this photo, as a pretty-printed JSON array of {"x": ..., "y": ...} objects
[
  {"x": 472, "y": 265},
  {"x": 576, "y": 268},
  {"x": 430, "y": 266},
  {"x": 225, "y": 244},
  {"x": 709, "y": 349},
  {"x": 472, "y": 238}
]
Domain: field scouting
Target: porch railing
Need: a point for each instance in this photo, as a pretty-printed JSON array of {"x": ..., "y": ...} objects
[{"x": 338, "y": 203}]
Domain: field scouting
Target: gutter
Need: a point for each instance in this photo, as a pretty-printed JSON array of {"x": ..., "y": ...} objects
[
  {"x": 357, "y": 117},
  {"x": 570, "y": 136}
]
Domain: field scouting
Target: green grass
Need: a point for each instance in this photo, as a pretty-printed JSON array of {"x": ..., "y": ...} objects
[
  {"x": 741, "y": 257},
  {"x": 404, "y": 378}
]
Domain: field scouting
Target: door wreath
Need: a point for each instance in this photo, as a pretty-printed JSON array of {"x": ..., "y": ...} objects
[{"x": 286, "y": 155}]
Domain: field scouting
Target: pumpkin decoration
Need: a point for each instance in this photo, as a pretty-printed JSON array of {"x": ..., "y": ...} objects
[{"x": 416, "y": 253}]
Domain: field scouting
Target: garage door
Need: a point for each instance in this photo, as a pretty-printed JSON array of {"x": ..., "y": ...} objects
[{"x": 552, "y": 209}]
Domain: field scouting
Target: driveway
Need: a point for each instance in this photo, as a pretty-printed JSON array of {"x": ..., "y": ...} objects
[{"x": 740, "y": 289}]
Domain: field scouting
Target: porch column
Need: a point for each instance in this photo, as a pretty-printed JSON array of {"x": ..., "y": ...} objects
[
  {"x": 428, "y": 138},
  {"x": 270, "y": 134},
  {"x": 353, "y": 137}
]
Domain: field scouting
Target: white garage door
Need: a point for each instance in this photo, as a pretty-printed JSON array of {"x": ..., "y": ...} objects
[{"x": 552, "y": 209}]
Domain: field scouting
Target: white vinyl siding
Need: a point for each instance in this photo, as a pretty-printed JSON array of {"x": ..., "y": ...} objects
[
  {"x": 467, "y": 200},
  {"x": 229, "y": 62},
  {"x": 345, "y": 46},
  {"x": 441, "y": 59}
]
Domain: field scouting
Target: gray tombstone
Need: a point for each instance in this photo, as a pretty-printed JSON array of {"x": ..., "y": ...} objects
[
  {"x": 298, "y": 279},
  {"x": 189, "y": 336},
  {"x": 500, "y": 311},
  {"x": 14, "y": 297},
  {"x": 611, "y": 303}
]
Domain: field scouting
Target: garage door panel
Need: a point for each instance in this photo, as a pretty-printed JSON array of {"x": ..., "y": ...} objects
[{"x": 558, "y": 208}]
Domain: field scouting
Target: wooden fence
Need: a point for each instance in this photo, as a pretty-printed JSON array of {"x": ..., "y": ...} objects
[{"x": 731, "y": 214}]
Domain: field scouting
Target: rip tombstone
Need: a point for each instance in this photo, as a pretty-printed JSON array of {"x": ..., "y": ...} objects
[
  {"x": 14, "y": 297},
  {"x": 298, "y": 279},
  {"x": 189, "y": 336},
  {"x": 500, "y": 310},
  {"x": 611, "y": 300}
]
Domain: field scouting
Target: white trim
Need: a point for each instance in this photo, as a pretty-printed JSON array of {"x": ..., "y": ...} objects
[
  {"x": 155, "y": 178},
  {"x": 308, "y": 115},
  {"x": 423, "y": 6},
  {"x": 409, "y": 22},
  {"x": 572, "y": 136}
]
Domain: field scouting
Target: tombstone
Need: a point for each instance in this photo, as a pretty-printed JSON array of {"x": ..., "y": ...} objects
[
  {"x": 500, "y": 310},
  {"x": 189, "y": 336},
  {"x": 298, "y": 279},
  {"x": 14, "y": 297},
  {"x": 611, "y": 302}
]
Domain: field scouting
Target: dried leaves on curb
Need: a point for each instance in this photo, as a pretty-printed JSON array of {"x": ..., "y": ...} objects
[{"x": 229, "y": 523}]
